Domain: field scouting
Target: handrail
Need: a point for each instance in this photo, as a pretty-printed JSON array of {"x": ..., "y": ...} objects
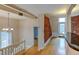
[
  {"x": 13, "y": 49},
  {"x": 11, "y": 46}
]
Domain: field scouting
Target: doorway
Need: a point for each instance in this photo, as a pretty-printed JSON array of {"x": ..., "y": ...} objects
[
  {"x": 35, "y": 35},
  {"x": 61, "y": 26}
]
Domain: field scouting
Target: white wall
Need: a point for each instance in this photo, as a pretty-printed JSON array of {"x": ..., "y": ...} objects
[
  {"x": 35, "y": 22},
  {"x": 13, "y": 23},
  {"x": 23, "y": 29},
  {"x": 70, "y": 51},
  {"x": 41, "y": 32},
  {"x": 26, "y": 31},
  {"x": 54, "y": 24},
  {"x": 69, "y": 12}
]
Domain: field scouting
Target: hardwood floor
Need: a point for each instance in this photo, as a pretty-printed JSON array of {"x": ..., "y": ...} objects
[
  {"x": 55, "y": 47},
  {"x": 34, "y": 51}
]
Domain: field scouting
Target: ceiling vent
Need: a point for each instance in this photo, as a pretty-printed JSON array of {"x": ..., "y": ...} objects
[{"x": 21, "y": 14}]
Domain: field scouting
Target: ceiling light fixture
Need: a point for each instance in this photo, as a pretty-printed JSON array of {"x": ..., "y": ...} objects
[{"x": 8, "y": 25}]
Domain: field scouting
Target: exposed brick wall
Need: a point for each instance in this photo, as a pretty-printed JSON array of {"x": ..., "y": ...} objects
[
  {"x": 75, "y": 24},
  {"x": 75, "y": 30},
  {"x": 47, "y": 28}
]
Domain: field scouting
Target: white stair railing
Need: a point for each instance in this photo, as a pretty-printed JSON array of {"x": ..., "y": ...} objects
[{"x": 13, "y": 49}]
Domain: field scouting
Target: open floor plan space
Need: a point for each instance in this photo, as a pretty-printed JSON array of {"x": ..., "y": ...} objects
[
  {"x": 39, "y": 29},
  {"x": 55, "y": 47}
]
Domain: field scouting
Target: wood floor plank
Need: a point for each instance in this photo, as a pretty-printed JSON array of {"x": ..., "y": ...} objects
[{"x": 53, "y": 48}]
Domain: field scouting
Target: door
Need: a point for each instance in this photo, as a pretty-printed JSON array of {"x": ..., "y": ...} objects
[
  {"x": 61, "y": 26},
  {"x": 35, "y": 35}
]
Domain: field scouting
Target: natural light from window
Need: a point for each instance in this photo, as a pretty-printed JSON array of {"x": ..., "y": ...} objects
[
  {"x": 5, "y": 38},
  {"x": 61, "y": 19},
  {"x": 62, "y": 25}
]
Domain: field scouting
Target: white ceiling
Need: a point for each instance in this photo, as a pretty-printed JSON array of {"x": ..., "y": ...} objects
[
  {"x": 36, "y": 9},
  {"x": 75, "y": 10},
  {"x": 4, "y": 14}
]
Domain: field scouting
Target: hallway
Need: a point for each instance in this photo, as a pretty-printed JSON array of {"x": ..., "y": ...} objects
[
  {"x": 28, "y": 22},
  {"x": 58, "y": 45},
  {"x": 55, "y": 47}
]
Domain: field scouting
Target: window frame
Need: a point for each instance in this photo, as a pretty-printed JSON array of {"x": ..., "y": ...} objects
[
  {"x": 61, "y": 23},
  {"x": 9, "y": 38}
]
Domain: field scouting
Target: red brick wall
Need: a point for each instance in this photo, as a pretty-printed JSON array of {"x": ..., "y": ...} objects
[
  {"x": 75, "y": 30},
  {"x": 47, "y": 28},
  {"x": 75, "y": 24}
]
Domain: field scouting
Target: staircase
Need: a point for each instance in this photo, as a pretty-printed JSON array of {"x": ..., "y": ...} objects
[{"x": 13, "y": 49}]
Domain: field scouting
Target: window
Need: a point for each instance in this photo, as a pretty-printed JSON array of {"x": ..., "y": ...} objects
[
  {"x": 62, "y": 25},
  {"x": 61, "y": 20},
  {"x": 5, "y": 39},
  {"x": 62, "y": 28}
]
